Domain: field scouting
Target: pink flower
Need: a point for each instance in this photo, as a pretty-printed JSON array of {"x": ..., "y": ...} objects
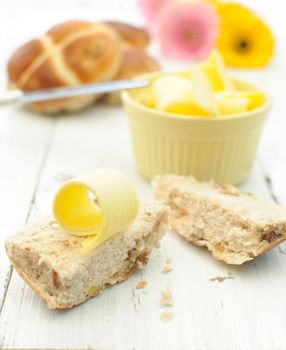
[
  {"x": 188, "y": 31},
  {"x": 151, "y": 10}
]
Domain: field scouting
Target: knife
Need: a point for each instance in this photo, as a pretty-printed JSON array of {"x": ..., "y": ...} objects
[{"x": 18, "y": 96}]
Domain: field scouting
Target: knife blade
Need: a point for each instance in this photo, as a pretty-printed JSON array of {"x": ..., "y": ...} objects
[{"x": 18, "y": 96}]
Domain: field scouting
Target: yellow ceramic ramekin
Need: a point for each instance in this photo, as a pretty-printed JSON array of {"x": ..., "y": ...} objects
[{"x": 221, "y": 149}]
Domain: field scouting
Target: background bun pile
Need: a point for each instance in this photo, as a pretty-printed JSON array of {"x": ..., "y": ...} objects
[
  {"x": 131, "y": 35},
  {"x": 79, "y": 52}
]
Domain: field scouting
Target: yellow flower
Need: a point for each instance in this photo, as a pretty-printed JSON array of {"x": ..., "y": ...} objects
[{"x": 244, "y": 40}]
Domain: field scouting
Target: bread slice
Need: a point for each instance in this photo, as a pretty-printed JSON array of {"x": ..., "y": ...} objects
[
  {"x": 51, "y": 261},
  {"x": 235, "y": 226}
]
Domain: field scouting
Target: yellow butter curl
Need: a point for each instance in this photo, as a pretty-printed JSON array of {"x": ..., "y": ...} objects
[{"x": 97, "y": 205}]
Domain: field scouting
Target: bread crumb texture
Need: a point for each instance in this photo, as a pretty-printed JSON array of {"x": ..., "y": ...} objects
[
  {"x": 167, "y": 268},
  {"x": 166, "y": 298},
  {"x": 141, "y": 284},
  {"x": 166, "y": 316},
  {"x": 52, "y": 262},
  {"x": 235, "y": 226},
  {"x": 221, "y": 279}
]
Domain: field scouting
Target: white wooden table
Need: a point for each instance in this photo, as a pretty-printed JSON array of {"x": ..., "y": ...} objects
[{"x": 37, "y": 153}]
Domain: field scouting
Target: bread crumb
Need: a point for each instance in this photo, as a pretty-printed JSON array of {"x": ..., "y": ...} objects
[
  {"x": 141, "y": 284},
  {"x": 167, "y": 268},
  {"x": 166, "y": 298},
  {"x": 221, "y": 279},
  {"x": 54, "y": 225},
  {"x": 166, "y": 316}
]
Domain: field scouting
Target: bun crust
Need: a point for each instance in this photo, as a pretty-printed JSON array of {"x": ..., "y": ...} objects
[
  {"x": 235, "y": 226},
  {"x": 51, "y": 261},
  {"x": 136, "y": 62},
  {"x": 131, "y": 35},
  {"x": 80, "y": 52},
  {"x": 70, "y": 54}
]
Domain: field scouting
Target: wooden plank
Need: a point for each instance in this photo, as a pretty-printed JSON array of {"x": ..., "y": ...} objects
[
  {"x": 272, "y": 147},
  {"x": 24, "y": 136},
  {"x": 208, "y": 314},
  {"x": 272, "y": 150},
  {"x": 246, "y": 312},
  {"x": 24, "y": 140}
]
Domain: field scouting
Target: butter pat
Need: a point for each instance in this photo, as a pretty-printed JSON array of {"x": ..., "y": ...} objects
[
  {"x": 216, "y": 71},
  {"x": 256, "y": 98},
  {"x": 239, "y": 101},
  {"x": 231, "y": 104},
  {"x": 97, "y": 205},
  {"x": 201, "y": 90},
  {"x": 176, "y": 94}
]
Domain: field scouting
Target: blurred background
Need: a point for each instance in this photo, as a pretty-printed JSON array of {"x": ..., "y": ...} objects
[{"x": 21, "y": 20}]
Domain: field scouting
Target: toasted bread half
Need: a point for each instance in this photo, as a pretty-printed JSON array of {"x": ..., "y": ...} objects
[
  {"x": 235, "y": 226},
  {"x": 52, "y": 261}
]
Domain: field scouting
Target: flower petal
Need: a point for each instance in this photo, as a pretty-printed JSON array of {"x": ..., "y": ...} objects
[
  {"x": 245, "y": 40},
  {"x": 151, "y": 10},
  {"x": 188, "y": 31}
]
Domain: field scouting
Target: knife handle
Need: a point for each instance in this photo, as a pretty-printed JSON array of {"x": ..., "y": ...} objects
[{"x": 10, "y": 97}]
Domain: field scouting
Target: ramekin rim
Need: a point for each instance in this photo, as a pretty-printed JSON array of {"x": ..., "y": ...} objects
[{"x": 265, "y": 106}]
